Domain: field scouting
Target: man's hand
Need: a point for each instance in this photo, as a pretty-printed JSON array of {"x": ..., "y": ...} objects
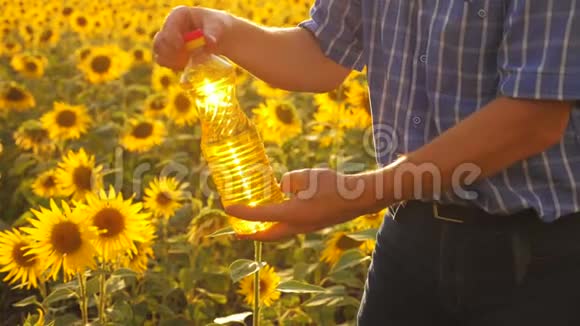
[
  {"x": 169, "y": 46},
  {"x": 319, "y": 198}
]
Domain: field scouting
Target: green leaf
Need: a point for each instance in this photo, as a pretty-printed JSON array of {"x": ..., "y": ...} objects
[
  {"x": 244, "y": 267},
  {"x": 59, "y": 294},
  {"x": 27, "y": 301},
  {"x": 124, "y": 272},
  {"x": 364, "y": 235},
  {"x": 235, "y": 318},
  {"x": 115, "y": 284},
  {"x": 294, "y": 286},
  {"x": 219, "y": 298},
  {"x": 221, "y": 232},
  {"x": 349, "y": 259}
]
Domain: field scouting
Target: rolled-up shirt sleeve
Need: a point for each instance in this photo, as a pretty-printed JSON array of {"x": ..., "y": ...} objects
[
  {"x": 337, "y": 24},
  {"x": 539, "y": 57}
]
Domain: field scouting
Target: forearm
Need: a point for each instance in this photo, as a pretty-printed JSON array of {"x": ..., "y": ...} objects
[
  {"x": 288, "y": 58},
  {"x": 502, "y": 133}
]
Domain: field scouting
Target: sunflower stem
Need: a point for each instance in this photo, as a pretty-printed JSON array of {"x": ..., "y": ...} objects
[
  {"x": 83, "y": 300},
  {"x": 258, "y": 259},
  {"x": 42, "y": 288},
  {"x": 102, "y": 297}
]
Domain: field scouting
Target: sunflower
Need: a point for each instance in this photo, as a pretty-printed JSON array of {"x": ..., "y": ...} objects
[
  {"x": 119, "y": 223},
  {"x": 359, "y": 106},
  {"x": 266, "y": 91},
  {"x": 29, "y": 65},
  {"x": 137, "y": 260},
  {"x": 277, "y": 120},
  {"x": 47, "y": 36},
  {"x": 78, "y": 175},
  {"x": 162, "y": 79},
  {"x": 333, "y": 98},
  {"x": 63, "y": 238},
  {"x": 66, "y": 121},
  {"x": 141, "y": 55},
  {"x": 205, "y": 223},
  {"x": 369, "y": 221},
  {"x": 155, "y": 105},
  {"x": 336, "y": 245},
  {"x": 16, "y": 259},
  {"x": 181, "y": 108},
  {"x": 330, "y": 123},
  {"x": 80, "y": 23},
  {"x": 269, "y": 281},
  {"x": 10, "y": 47},
  {"x": 46, "y": 185},
  {"x": 32, "y": 136},
  {"x": 81, "y": 55},
  {"x": 164, "y": 196},
  {"x": 104, "y": 64},
  {"x": 16, "y": 97},
  {"x": 141, "y": 135}
]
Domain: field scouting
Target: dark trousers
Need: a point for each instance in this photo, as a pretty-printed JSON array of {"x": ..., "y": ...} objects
[{"x": 426, "y": 271}]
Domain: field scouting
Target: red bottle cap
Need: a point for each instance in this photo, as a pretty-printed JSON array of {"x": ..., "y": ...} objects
[
  {"x": 194, "y": 40},
  {"x": 193, "y": 35}
]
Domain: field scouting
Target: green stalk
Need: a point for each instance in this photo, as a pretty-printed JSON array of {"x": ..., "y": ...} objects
[
  {"x": 102, "y": 297},
  {"x": 258, "y": 259},
  {"x": 83, "y": 300}
]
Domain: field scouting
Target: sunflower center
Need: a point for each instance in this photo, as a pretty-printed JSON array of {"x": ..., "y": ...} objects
[
  {"x": 18, "y": 252},
  {"x": 110, "y": 220},
  {"x": 10, "y": 45},
  {"x": 158, "y": 104},
  {"x": 37, "y": 135},
  {"x": 143, "y": 130},
  {"x": 31, "y": 66},
  {"x": 82, "y": 176},
  {"x": 285, "y": 114},
  {"x": 263, "y": 287},
  {"x": 163, "y": 199},
  {"x": 66, "y": 11},
  {"x": 46, "y": 35},
  {"x": 140, "y": 30},
  {"x": 138, "y": 54},
  {"x": 165, "y": 81},
  {"x": 337, "y": 94},
  {"x": 182, "y": 103},
  {"x": 82, "y": 21},
  {"x": 66, "y": 118},
  {"x": 14, "y": 94},
  {"x": 66, "y": 237},
  {"x": 345, "y": 243},
  {"x": 84, "y": 53},
  {"x": 101, "y": 64},
  {"x": 49, "y": 182}
]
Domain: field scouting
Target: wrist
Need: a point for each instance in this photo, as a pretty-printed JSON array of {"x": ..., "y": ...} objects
[
  {"x": 226, "y": 44},
  {"x": 373, "y": 194}
]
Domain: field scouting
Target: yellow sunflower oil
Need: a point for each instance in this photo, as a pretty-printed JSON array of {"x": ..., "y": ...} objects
[{"x": 230, "y": 142}]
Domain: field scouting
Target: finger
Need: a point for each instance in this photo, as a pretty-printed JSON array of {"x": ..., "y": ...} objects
[
  {"x": 277, "y": 232},
  {"x": 281, "y": 212},
  {"x": 295, "y": 181}
]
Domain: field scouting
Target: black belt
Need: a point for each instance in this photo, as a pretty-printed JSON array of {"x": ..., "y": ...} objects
[{"x": 471, "y": 215}]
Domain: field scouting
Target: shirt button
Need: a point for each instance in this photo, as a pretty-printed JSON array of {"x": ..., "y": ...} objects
[
  {"x": 423, "y": 58},
  {"x": 417, "y": 120},
  {"x": 482, "y": 13}
]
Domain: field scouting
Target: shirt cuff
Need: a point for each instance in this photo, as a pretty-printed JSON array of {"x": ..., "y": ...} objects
[{"x": 541, "y": 86}]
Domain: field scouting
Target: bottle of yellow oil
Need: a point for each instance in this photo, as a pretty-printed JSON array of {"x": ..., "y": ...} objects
[{"x": 230, "y": 142}]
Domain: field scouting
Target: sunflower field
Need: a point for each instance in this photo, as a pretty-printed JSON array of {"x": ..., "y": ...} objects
[{"x": 108, "y": 213}]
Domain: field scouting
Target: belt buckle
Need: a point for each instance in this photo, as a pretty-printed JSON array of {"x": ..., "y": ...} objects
[{"x": 443, "y": 218}]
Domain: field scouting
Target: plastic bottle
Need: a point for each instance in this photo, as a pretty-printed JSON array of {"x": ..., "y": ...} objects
[{"x": 230, "y": 142}]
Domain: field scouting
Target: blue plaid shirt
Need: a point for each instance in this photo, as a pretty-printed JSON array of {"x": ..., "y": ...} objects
[{"x": 432, "y": 63}]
